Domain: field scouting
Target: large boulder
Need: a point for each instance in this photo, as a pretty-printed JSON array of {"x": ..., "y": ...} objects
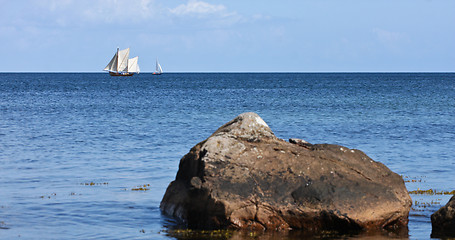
[
  {"x": 443, "y": 220},
  {"x": 244, "y": 177}
]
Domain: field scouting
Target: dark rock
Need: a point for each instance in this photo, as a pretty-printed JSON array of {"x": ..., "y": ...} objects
[
  {"x": 301, "y": 142},
  {"x": 244, "y": 177},
  {"x": 443, "y": 221}
]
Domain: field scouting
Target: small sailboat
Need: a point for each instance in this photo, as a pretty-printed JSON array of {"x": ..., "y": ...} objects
[
  {"x": 158, "y": 69},
  {"x": 120, "y": 65}
]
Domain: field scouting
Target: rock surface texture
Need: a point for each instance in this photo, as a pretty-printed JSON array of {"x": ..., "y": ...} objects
[
  {"x": 443, "y": 221},
  {"x": 244, "y": 177}
]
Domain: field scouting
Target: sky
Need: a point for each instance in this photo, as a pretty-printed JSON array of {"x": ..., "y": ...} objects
[{"x": 229, "y": 35}]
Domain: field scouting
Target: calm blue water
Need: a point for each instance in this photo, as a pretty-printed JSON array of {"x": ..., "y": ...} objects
[{"x": 61, "y": 132}]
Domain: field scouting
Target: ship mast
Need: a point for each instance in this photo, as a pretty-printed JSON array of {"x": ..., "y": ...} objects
[{"x": 117, "y": 60}]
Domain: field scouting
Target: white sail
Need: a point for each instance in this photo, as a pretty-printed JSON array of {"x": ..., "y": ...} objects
[
  {"x": 122, "y": 62},
  {"x": 112, "y": 65},
  {"x": 132, "y": 65},
  {"x": 158, "y": 67}
]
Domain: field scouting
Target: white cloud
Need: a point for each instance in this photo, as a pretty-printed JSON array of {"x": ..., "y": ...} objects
[
  {"x": 388, "y": 36},
  {"x": 93, "y": 13},
  {"x": 392, "y": 42},
  {"x": 260, "y": 17},
  {"x": 214, "y": 16},
  {"x": 57, "y": 5},
  {"x": 69, "y": 12},
  {"x": 111, "y": 11},
  {"x": 198, "y": 8}
]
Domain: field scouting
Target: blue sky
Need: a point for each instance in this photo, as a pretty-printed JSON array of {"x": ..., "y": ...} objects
[{"x": 230, "y": 35}]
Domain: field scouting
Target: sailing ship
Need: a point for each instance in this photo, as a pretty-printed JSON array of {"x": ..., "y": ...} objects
[
  {"x": 120, "y": 65},
  {"x": 158, "y": 69}
]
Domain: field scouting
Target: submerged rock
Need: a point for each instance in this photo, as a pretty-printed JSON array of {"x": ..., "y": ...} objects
[
  {"x": 244, "y": 177},
  {"x": 443, "y": 221}
]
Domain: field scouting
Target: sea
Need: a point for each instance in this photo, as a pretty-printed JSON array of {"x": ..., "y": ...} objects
[{"x": 89, "y": 156}]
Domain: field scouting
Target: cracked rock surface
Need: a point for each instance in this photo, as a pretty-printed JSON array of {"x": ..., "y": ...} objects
[{"x": 244, "y": 177}]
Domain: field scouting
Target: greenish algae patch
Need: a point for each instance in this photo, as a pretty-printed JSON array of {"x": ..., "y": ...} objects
[
  {"x": 49, "y": 196},
  {"x": 431, "y": 192},
  {"x": 94, "y": 184},
  {"x": 190, "y": 234},
  {"x": 419, "y": 206},
  {"x": 199, "y": 234},
  {"x": 144, "y": 187},
  {"x": 409, "y": 179}
]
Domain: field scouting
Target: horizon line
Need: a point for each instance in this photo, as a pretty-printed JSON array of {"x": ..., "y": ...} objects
[{"x": 238, "y": 72}]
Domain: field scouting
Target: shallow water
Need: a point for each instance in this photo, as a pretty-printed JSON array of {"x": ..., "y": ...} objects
[{"x": 73, "y": 146}]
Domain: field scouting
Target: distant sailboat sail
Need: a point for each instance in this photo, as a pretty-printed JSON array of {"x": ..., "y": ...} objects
[
  {"x": 112, "y": 65},
  {"x": 123, "y": 60},
  {"x": 158, "y": 69},
  {"x": 132, "y": 65},
  {"x": 120, "y": 65}
]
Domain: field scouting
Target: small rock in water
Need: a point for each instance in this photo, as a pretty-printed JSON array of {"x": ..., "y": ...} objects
[{"x": 443, "y": 221}]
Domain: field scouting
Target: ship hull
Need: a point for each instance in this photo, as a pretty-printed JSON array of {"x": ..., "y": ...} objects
[{"x": 121, "y": 74}]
